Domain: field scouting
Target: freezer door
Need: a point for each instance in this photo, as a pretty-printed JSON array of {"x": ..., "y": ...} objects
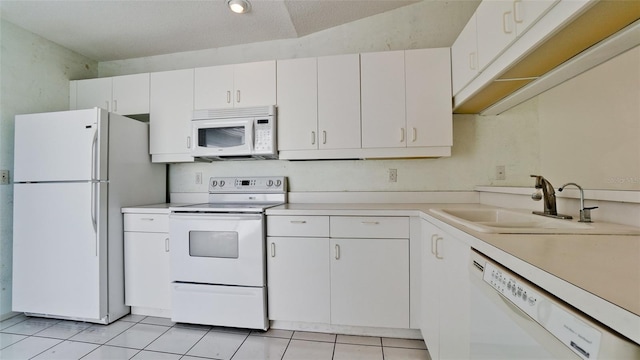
[
  {"x": 59, "y": 257},
  {"x": 61, "y": 146}
]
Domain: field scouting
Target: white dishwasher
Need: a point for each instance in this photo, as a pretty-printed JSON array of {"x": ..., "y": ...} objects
[{"x": 511, "y": 318}]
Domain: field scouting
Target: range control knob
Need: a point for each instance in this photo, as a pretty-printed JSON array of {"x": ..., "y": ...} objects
[
  {"x": 270, "y": 183},
  {"x": 221, "y": 183},
  {"x": 214, "y": 183},
  {"x": 278, "y": 183}
]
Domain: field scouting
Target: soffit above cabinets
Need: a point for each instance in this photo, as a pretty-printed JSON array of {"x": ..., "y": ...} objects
[{"x": 601, "y": 32}]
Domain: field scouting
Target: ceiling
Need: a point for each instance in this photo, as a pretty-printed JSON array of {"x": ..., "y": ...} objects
[{"x": 124, "y": 29}]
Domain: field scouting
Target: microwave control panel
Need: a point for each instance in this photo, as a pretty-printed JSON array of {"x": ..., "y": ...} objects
[{"x": 264, "y": 137}]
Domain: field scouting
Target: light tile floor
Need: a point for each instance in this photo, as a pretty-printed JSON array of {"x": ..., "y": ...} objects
[{"x": 140, "y": 337}]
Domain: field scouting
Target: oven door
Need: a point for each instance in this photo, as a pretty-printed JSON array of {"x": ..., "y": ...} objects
[
  {"x": 220, "y": 137},
  {"x": 221, "y": 249}
]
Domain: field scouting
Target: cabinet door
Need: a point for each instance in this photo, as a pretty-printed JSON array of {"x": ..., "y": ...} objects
[
  {"x": 339, "y": 102},
  {"x": 428, "y": 84},
  {"x": 131, "y": 94},
  {"x": 527, "y": 12},
  {"x": 171, "y": 111},
  {"x": 298, "y": 279},
  {"x": 255, "y": 84},
  {"x": 93, "y": 93},
  {"x": 146, "y": 268},
  {"x": 297, "y": 104},
  {"x": 454, "y": 297},
  {"x": 430, "y": 296},
  {"x": 464, "y": 56},
  {"x": 383, "y": 99},
  {"x": 213, "y": 87},
  {"x": 496, "y": 29},
  {"x": 370, "y": 282}
]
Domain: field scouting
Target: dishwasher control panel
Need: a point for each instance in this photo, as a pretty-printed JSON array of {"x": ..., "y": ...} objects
[{"x": 557, "y": 318}]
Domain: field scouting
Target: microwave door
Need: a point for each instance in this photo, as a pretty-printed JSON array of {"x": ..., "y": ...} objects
[{"x": 222, "y": 138}]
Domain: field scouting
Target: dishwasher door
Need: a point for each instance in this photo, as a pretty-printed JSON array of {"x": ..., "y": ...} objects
[{"x": 511, "y": 318}]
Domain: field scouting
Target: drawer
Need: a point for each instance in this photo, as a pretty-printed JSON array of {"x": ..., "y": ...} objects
[
  {"x": 146, "y": 222},
  {"x": 304, "y": 226},
  {"x": 370, "y": 227}
]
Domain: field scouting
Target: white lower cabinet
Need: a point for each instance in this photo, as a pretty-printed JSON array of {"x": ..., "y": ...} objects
[
  {"x": 445, "y": 322},
  {"x": 370, "y": 282},
  {"x": 146, "y": 263},
  {"x": 357, "y": 274},
  {"x": 299, "y": 284}
]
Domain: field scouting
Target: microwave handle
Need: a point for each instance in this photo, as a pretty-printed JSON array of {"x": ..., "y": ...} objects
[{"x": 251, "y": 133}]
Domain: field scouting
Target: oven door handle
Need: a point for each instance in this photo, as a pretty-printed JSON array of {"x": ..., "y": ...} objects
[{"x": 209, "y": 217}]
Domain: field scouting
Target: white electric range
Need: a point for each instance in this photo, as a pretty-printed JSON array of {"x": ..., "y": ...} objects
[{"x": 218, "y": 257}]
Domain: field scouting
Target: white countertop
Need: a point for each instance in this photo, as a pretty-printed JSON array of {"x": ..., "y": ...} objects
[{"x": 598, "y": 274}]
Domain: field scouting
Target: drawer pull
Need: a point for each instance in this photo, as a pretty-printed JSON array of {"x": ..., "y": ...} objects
[
  {"x": 370, "y": 222},
  {"x": 298, "y": 222},
  {"x": 147, "y": 219},
  {"x": 273, "y": 249},
  {"x": 337, "y": 252},
  {"x": 166, "y": 245}
]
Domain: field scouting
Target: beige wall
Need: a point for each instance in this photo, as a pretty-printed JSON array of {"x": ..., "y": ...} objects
[{"x": 590, "y": 127}]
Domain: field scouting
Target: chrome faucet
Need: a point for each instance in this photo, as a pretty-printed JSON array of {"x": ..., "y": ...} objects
[
  {"x": 549, "y": 197},
  {"x": 585, "y": 213}
]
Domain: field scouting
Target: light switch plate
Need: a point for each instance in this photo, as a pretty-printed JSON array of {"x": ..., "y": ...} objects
[{"x": 4, "y": 174}]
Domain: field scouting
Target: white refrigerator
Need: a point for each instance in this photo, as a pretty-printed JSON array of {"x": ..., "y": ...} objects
[{"x": 73, "y": 172}]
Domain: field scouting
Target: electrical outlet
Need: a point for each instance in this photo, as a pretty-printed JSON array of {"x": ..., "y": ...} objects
[
  {"x": 500, "y": 173},
  {"x": 4, "y": 174},
  {"x": 393, "y": 175},
  {"x": 198, "y": 178}
]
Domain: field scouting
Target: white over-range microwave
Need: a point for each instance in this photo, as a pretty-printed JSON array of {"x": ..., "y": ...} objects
[{"x": 238, "y": 133}]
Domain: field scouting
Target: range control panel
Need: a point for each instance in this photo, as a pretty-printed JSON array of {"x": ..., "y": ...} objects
[{"x": 255, "y": 184}]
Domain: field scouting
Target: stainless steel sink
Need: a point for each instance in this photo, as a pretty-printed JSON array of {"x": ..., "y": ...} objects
[{"x": 505, "y": 221}]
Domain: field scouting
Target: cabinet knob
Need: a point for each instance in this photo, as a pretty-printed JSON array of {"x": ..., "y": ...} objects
[
  {"x": 313, "y": 138},
  {"x": 401, "y": 135},
  {"x": 166, "y": 245},
  {"x": 228, "y": 97},
  {"x": 238, "y": 96},
  {"x": 337, "y": 252},
  {"x": 273, "y": 249}
]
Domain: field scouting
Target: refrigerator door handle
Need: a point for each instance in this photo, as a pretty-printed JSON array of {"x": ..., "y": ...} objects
[
  {"x": 94, "y": 155},
  {"x": 94, "y": 211}
]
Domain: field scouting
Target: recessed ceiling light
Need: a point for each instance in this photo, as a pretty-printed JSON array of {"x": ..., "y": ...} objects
[{"x": 239, "y": 6}]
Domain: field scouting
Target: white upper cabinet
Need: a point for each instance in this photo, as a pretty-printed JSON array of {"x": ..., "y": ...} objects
[
  {"x": 297, "y": 104},
  {"x": 170, "y": 116},
  {"x": 428, "y": 97},
  {"x": 496, "y": 29},
  {"x": 406, "y": 99},
  {"x": 238, "y": 85},
  {"x": 500, "y": 22},
  {"x": 124, "y": 95},
  {"x": 464, "y": 56},
  {"x": 93, "y": 92},
  {"x": 339, "y": 102},
  {"x": 527, "y": 12},
  {"x": 319, "y": 103},
  {"x": 383, "y": 99},
  {"x": 255, "y": 83},
  {"x": 131, "y": 94},
  {"x": 213, "y": 87}
]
